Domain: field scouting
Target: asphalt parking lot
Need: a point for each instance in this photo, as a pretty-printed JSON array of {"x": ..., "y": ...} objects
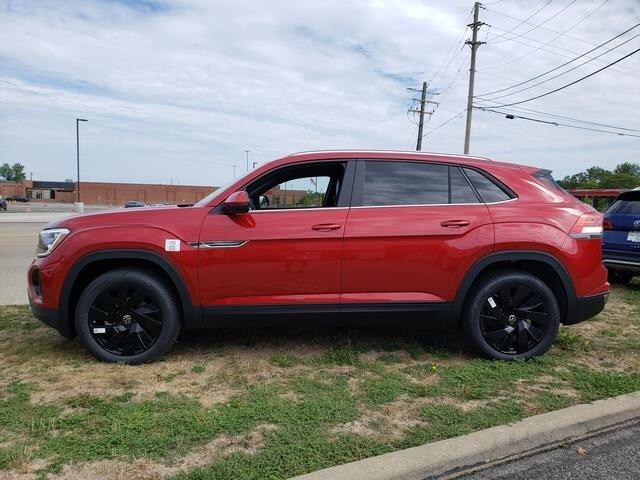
[{"x": 612, "y": 455}]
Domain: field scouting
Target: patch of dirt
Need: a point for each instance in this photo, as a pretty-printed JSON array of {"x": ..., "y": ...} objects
[{"x": 391, "y": 422}]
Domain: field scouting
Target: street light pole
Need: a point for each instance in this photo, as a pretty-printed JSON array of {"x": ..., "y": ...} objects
[
  {"x": 234, "y": 172},
  {"x": 78, "y": 120},
  {"x": 247, "y": 152}
]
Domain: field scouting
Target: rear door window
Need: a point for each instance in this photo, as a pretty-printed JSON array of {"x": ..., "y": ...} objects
[
  {"x": 405, "y": 183},
  {"x": 414, "y": 183}
]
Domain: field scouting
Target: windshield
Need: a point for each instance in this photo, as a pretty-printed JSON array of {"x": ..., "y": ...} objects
[{"x": 214, "y": 194}]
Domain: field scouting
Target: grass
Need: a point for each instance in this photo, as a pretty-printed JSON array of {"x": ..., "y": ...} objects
[{"x": 276, "y": 403}]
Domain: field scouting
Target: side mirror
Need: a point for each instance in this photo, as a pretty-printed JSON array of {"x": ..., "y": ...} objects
[{"x": 237, "y": 202}]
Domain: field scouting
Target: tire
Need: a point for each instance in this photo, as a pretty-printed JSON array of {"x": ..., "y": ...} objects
[
  {"x": 128, "y": 316},
  {"x": 511, "y": 315},
  {"x": 619, "y": 278}
]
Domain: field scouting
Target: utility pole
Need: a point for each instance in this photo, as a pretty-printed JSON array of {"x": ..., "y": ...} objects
[
  {"x": 247, "y": 152},
  {"x": 474, "y": 44},
  {"x": 421, "y": 111},
  {"x": 78, "y": 120},
  {"x": 234, "y": 172}
]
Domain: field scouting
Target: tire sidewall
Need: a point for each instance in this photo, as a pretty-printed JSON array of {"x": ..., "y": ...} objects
[
  {"x": 160, "y": 293},
  {"x": 488, "y": 287}
]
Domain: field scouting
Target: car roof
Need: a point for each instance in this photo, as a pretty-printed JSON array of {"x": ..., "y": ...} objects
[{"x": 399, "y": 155}]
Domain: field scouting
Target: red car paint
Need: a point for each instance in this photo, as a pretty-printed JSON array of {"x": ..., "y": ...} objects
[{"x": 345, "y": 255}]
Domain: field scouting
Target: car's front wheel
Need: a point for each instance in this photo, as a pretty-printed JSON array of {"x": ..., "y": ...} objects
[
  {"x": 511, "y": 316},
  {"x": 127, "y": 316}
]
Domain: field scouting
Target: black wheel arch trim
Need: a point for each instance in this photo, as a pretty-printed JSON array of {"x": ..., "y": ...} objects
[
  {"x": 514, "y": 256},
  {"x": 191, "y": 313}
]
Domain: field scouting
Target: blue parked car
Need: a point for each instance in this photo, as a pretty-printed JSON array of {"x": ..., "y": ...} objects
[{"x": 621, "y": 243}]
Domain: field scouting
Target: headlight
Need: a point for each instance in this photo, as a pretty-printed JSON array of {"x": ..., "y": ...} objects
[{"x": 50, "y": 239}]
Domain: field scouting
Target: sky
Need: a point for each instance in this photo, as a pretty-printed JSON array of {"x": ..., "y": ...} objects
[{"x": 175, "y": 91}]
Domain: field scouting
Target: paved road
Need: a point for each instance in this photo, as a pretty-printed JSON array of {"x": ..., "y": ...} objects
[{"x": 612, "y": 456}]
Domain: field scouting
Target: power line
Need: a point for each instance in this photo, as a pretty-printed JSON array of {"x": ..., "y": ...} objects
[
  {"x": 559, "y": 74},
  {"x": 553, "y": 115},
  {"x": 457, "y": 115},
  {"x": 624, "y": 70},
  {"x": 572, "y": 83},
  {"x": 537, "y": 26},
  {"x": 556, "y": 124},
  {"x": 575, "y": 94},
  {"x": 543, "y": 27},
  {"x": 456, "y": 42},
  {"x": 563, "y": 65},
  {"x": 552, "y": 40},
  {"x": 522, "y": 22}
]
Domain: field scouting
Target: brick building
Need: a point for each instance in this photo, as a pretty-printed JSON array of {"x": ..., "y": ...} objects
[
  {"x": 11, "y": 189},
  {"x": 104, "y": 193}
]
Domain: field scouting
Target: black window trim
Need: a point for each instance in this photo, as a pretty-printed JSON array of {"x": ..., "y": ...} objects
[{"x": 358, "y": 185}]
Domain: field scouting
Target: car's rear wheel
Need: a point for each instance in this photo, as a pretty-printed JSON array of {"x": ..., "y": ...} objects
[
  {"x": 511, "y": 316},
  {"x": 620, "y": 278},
  {"x": 127, "y": 316}
]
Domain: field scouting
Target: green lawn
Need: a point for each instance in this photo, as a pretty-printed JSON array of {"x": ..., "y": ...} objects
[{"x": 276, "y": 403}]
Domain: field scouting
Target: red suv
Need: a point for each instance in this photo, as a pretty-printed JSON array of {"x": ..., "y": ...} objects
[{"x": 496, "y": 249}]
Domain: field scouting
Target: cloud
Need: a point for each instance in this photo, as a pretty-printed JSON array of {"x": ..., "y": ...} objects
[{"x": 179, "y": 89}]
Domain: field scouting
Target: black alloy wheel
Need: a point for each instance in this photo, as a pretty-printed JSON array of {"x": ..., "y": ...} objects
[
  {"x": 124, "y": 320},
  {"x": 127, "y": 316},
  {"x": 514, "y": 319},
  {"x": 512, "y": 315}
]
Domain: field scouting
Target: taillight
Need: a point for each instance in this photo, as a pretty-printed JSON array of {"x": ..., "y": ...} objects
[
  {"x": 589, "y": 225},
  {"x": 607, "y": 225}
]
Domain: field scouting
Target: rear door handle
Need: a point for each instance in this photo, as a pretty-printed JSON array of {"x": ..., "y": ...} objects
[
  {"x": 326, "y": 227},
  {"x": 455, "y": 223}
]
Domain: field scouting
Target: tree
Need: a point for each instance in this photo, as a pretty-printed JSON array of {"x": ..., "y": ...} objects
[
  {"x": 13, "y": 173},
  {"x": 626, "y": 175}
]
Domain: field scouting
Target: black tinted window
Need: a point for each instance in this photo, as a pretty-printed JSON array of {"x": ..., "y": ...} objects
[
  {"x": 405, "y": 183},
  {"x": 461, "y": 191},
  {"x": 629, "y": 207},
  {"x": 489, "y": 191}
]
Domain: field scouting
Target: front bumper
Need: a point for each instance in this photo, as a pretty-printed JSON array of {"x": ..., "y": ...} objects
[
  {"x": 588, "y": 307},
  {"x": 50, "y": 317}
]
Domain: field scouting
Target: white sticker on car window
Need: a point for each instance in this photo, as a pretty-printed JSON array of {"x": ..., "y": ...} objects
[
  {"x": 492, "y": 302},
  {"x": 172, "y": 245}
]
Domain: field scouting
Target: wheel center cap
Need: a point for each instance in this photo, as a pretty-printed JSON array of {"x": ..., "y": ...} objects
[
  {"x": 511, "y": 319},
  {"x": 126, "y": 320}
]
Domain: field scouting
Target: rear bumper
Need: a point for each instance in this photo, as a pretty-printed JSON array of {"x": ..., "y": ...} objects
[
  {"x": 588, "y": 307},
  {"x": 617, "y": 260}
]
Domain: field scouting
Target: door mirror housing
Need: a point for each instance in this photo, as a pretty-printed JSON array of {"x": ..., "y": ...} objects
[{"x": 237, "y": 202}]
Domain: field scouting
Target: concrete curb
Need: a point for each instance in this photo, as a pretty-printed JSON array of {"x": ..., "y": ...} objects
[{"x": 468, "y": 452}]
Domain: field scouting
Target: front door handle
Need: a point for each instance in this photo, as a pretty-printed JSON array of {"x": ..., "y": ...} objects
[
  {"x": 455, "y": 223},
  {"x": 326, "y": 227}
]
